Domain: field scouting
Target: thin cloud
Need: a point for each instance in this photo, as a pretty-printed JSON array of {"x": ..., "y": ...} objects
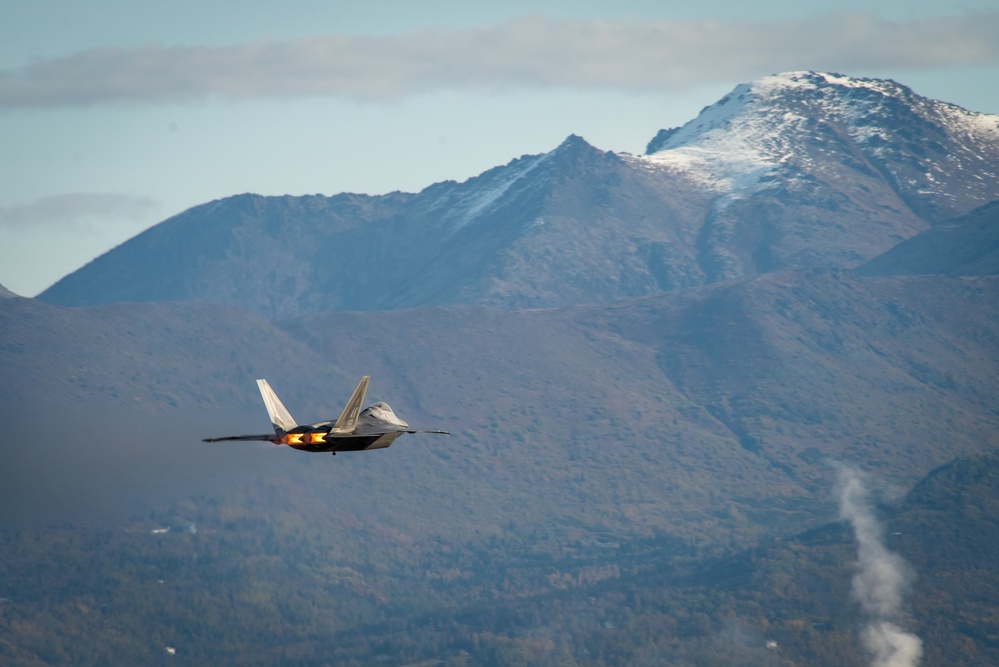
[
  {"x": 78, "y": 212},
  {"x": 530, "y": 52}
]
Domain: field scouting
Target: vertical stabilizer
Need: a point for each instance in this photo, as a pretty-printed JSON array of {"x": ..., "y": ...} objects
[
  {"x": 347, "y": 421},
  {"x": 275, "y": 408}
]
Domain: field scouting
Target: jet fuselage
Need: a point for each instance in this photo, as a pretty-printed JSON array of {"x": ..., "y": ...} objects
[{"x": 322, "y": 441}]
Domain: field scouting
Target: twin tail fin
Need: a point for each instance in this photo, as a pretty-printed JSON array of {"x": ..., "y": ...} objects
[{"x": 280, "y": 417}]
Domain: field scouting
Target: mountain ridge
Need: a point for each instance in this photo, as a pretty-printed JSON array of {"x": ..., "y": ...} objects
[{"x": 828, "y": 172}]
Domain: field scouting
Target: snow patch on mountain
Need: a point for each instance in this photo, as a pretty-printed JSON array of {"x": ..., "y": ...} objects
[
  {"x": 468, "y": 201},
  {"x": 728, "y": 148}
]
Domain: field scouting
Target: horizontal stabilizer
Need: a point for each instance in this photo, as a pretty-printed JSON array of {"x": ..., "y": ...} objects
[{"x": 280, "y": 417}]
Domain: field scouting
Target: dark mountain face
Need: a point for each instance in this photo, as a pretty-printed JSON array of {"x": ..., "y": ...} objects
[
  {"x": 265, "y": 253},
  {"x": 793, "y": 171},
  {"x": 965, "y": 246}
]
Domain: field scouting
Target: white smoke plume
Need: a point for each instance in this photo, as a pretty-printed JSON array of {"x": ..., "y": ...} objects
[{"x": 881, "y": 581}]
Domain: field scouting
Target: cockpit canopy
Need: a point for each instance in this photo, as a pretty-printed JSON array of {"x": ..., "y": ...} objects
[{"x": 379, "y": 418}]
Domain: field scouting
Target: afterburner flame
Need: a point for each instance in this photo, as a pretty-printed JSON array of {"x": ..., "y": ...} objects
[{"x": 313, "y": 438}]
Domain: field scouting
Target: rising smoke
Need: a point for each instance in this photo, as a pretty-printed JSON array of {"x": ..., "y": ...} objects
[{"x": 881, "y": 581}]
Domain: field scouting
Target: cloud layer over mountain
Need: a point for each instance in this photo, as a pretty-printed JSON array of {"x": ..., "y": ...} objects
[{"x": 532, "y": 52}]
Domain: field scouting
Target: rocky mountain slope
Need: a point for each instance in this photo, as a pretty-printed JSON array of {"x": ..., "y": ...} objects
[{"x": 793, "y": 171}]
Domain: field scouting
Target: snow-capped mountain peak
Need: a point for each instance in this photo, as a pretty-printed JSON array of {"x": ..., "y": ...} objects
[
  {"x": 723, "y": 149},
  {"x": 789, "y": 117}
]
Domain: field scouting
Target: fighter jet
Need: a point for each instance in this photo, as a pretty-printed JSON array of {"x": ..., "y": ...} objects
[{"x": 375, "y": 427}]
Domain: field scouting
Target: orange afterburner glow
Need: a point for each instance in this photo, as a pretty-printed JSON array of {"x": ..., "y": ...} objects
[{"x": 314, "y": 438}]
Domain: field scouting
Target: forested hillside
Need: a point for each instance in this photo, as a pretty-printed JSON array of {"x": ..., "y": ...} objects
[{"x": 233, "y": 583}]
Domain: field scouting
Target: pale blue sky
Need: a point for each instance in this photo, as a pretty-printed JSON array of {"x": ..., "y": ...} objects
[{"x": 115, "y": 115}]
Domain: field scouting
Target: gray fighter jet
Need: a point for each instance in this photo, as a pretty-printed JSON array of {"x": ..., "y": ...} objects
[{"x": 375, "y": 427}]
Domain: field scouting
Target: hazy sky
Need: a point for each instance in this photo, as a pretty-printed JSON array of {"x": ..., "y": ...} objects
[{"x": 117, "y": 114}]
